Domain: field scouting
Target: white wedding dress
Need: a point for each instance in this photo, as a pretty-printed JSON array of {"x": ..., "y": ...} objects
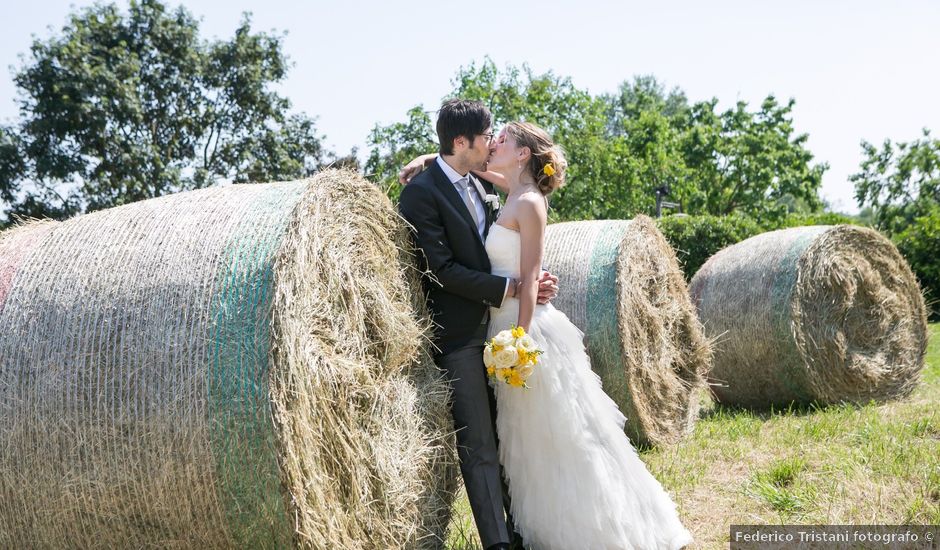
[{"x": 575, "y": 480}]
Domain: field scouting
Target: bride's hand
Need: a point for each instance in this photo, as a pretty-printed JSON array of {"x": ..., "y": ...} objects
[
  {"x": 414, "y": 168},
  {"x": 548, "y": 287}
]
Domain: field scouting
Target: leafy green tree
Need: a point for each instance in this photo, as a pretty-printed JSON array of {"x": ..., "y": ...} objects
[
  {"x": 748, "y": 162},
  {"x": 395, "y": 145},
  {"x": 866, "y": 216},
  {"x": 899, "y": 181},
  {"x": 898, "y": 189},
  {"x": 719, "y": 162},
  {"x": 644, "y": 94},
  {"x": 622, "y": 147},
  {"x": 573, "y": 117},
  {"x": 121, "y": 107}
]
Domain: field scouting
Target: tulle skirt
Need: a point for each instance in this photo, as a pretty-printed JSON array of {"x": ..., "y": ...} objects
[{"x": 575, "y": 480}]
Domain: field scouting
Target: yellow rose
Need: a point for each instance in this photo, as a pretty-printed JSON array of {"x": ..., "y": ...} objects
[
  {"x": 549, "y": 170},
  {"x": 515, "y": 379}
]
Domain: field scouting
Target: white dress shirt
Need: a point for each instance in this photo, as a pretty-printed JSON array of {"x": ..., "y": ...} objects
[{"x": 475, "y": 199}]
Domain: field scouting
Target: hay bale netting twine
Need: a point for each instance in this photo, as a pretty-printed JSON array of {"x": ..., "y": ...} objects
[
  {"x": 622, "y": 286},
  {"x": 241, "y": 366},
  {"x": 822, "y": 314}
]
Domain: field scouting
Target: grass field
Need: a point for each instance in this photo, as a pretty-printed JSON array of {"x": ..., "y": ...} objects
[{"x": 835, "y": 465}]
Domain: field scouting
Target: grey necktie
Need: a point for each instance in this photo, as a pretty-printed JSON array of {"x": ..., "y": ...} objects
[{"x": 466, "y": 187}]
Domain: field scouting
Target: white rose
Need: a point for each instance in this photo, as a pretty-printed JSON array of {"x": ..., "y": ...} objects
[
  {"x": 527, "y": 343},
  {"x": 526, "y": 371},
  {"x": 503, "y": 338},
  {"x": 506, "y": 357},
  {"x": 488, "y": 359},
  {"x": 492, "y": 200}
]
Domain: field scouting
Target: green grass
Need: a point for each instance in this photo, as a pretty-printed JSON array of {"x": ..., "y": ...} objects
[
  {"x": 846, "y": 464},
  {"x": 779, "y": 487},
  {"x": 462, "y": 532}
]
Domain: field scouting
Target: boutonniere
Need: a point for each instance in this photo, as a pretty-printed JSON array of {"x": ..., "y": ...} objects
[{"x": 490, "y": 199}]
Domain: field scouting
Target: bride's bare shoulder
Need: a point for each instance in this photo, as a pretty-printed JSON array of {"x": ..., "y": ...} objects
[
  {"x": 531, "y": 205},
  {"x": 533, "y": 199}
]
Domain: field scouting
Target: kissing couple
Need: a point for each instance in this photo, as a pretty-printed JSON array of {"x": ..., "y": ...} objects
[{"x": 570, "y": 477}]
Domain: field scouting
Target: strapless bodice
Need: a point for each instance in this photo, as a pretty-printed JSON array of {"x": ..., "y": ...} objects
[{"x": 504, "y": 247}]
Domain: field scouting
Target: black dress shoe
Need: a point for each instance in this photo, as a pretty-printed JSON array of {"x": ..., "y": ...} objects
[{"x": 499, "y": 546}]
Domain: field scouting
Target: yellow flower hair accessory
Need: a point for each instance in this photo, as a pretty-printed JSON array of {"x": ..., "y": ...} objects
[{"x": 548, "y": 170}]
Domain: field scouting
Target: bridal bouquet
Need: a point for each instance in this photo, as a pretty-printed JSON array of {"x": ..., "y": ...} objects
[{"x": 511, "y": 356}]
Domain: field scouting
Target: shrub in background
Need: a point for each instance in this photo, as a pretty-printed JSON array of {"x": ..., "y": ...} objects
[{"x": 919, "y": 243}]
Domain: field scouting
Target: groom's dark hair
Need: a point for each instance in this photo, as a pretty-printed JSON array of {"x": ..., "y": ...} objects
[{"x": 460, "y": 117}]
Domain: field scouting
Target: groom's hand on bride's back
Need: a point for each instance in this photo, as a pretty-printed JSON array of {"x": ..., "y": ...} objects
[{"x": 548, "y": 287}]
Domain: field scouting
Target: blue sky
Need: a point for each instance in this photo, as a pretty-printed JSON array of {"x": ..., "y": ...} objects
[{"x": 858, "y": 70}]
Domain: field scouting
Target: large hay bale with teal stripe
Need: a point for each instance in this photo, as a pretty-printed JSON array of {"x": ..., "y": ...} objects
[
  {"x": 242, "y": 366},
  {"x": 622, "y": 286},
  {"x": 822, "y": 314}
]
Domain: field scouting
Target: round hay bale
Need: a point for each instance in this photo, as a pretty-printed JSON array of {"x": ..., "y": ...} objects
[
  {"x": 622, "y": 286},
  {"x": 241, "y": 367},
  {"x": 15, "y": 244},
  {"x": 822, "y": 314}
]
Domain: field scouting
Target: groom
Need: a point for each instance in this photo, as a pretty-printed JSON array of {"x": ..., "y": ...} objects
[{"x": 451, "y": 215}]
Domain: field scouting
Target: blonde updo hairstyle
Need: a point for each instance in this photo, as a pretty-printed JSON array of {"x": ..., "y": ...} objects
[{"x": 544, "y": 152}]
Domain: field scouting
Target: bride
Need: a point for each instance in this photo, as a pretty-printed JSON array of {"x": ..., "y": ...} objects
[{"x": 574, "y": 479}]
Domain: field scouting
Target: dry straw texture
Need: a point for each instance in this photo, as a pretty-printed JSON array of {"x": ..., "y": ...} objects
[
  {"x": 622, "y": 286},
  {"x": 238, "y": 366},
  {"x": 15, "y": 243},
  {"x": 821, "y": 314}
]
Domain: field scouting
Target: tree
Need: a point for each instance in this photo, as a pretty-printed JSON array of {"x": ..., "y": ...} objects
[
  {"x": 899, "y": 182},
  {"x": 645, "y": 94},
  {"x": 750, "y": 163},
  {"x": 622, "y": 147},
  {"x": 574, "y": 117},
  {"x": 395, "y": 145},
  {"x": 716, "y": 163},
  {"x": 866, "y": 216},
  {"x": 571, "y": 115},
  {"x": 122, "y": 107}
]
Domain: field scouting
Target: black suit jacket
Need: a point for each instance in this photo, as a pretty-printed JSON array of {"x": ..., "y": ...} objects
[{"x": 453, "y": 251}]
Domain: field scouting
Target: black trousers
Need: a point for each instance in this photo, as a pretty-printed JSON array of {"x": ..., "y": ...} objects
[{"x": 474, "y": 409}]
